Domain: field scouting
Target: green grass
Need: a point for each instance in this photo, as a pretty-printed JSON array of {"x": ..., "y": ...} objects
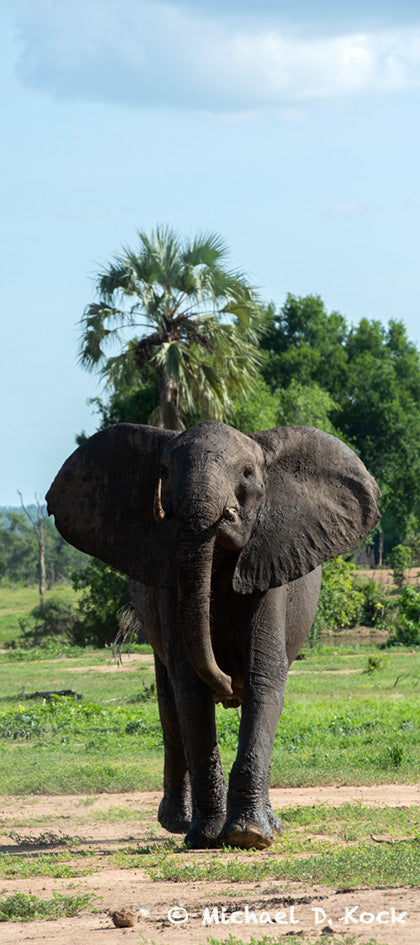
[
  {"x": 350, "y": 845},
  {"x": 333, "y": 939},
  {"x": 20, "y": 907},
  {"x": 366, "y": 865},
  {"x": 47, "y": 864},
  {"x": 16, "y": 601},
  {"x": 359, "y": 728}
]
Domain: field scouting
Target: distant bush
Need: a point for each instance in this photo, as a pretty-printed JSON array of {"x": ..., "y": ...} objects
[
  {"x": 400, "y": 559},
  {"x": 345, "y": 601},
  {"x": 406, "y": 629},
  {"x": 105, "y": 592},
  {"x": 374, "y": 604},
  {"x": 52, "y": 620},
  {"x": 340, "y": 602}
]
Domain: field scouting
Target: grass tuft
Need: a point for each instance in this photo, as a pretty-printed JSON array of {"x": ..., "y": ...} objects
[{"x": 20, "y": 907}]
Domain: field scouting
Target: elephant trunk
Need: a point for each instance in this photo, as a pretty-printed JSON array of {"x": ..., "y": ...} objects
[{"x": 194, "y": 564}]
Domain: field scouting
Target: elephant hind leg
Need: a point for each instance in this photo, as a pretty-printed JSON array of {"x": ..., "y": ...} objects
[{"x": 175, "y": 809}]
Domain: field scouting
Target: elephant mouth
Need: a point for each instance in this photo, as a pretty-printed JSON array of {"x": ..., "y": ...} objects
[{"x": 233, "y": 533}]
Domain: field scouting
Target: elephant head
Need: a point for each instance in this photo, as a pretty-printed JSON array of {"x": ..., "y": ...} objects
[{"x": 155, "y": 504}]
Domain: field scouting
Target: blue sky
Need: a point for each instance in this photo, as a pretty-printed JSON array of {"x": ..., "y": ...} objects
[{"x": 291, "y": 129}]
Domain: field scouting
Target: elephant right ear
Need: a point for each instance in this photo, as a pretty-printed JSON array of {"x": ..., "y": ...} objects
[
  {"x": 320, "y": 502},
  {"x": 102, "y": 501}
]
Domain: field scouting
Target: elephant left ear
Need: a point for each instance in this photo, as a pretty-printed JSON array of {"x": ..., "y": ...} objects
[
  {"x": 102, "y": 501},
  {"x": 320, "y": 502}
]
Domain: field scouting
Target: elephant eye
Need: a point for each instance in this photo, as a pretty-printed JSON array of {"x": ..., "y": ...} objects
[
  {"x": 248, "y": 472},
  {"x": 163, "y": 472}
]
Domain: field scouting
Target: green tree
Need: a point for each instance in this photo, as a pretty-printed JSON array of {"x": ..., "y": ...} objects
[
  {"x": 104, "y": 592},
  {"x": 198, "y": 324},
  {"x": 379, "y": 412},
  {"x": 19, "y": 551},
  {"x": 295, "y": 405},
  {"x": 306, "y": 345},
  {"x": 18, "y": 548},
  {"x": 306, "y": 405},
  {"x": 372, "y": 374}
]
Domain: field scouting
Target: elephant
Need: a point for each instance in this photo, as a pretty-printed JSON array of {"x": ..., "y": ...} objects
[{"x": 222, "y": 535}]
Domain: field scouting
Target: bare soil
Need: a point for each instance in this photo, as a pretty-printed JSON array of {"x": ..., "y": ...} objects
[{"x": 89, "y": 821}]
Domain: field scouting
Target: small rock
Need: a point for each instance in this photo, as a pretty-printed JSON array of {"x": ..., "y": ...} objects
[{"x": 124, "y": 918}]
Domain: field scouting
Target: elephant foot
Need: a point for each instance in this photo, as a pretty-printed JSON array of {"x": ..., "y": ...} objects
[
  {"x": 204, "y": 835},
  {"x": 274, "y": 821},
  {"x": 175, "y": 813},
  {"x": 245, "y": 836}
]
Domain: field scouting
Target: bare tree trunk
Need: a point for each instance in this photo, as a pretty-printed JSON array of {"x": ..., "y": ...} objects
[
  {"x": 51, "y": 579},
  {"x": 41, "y": 550},
  {"x": 38, "y": 527},
  {"x": 381, "y": 547}
]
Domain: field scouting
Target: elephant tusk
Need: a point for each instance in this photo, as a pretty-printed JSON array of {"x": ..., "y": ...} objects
[
  {"x": 158, "y": 510},
  {"x": 231, "y": 515}
]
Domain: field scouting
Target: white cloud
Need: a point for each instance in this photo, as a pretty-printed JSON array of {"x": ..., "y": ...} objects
[{"x": 148, "y": 54}]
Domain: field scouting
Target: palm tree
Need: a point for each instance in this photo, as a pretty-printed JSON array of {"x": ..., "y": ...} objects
[{"x": 199, "y": 325}]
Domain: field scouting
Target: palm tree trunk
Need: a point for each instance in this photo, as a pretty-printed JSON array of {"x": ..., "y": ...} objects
[{"x": 169, "y": 417}]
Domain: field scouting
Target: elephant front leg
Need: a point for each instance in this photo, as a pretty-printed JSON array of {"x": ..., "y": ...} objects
[
  {"x": 175, "y": 808},
  {"x": 250, "y": 821},
  {"x": 195, "y": 703},
  {"x": 188, "y": 717}
]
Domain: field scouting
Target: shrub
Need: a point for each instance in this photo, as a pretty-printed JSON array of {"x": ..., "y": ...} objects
[
  {"x": 105, "y": 592},
  {"x": 374, "y": 605},
  {"x": 406, "y": 629},
  {"x": 341, "y": 602},
  {"x": 51, "y": 621},
  {"x": 400, "y": 559}
]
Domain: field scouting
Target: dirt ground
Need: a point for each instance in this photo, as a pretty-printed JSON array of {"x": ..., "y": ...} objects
[{"x": 248, "y": 907}]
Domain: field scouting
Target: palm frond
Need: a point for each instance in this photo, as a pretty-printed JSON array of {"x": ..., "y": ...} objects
[{"x": 201, "y": 321}]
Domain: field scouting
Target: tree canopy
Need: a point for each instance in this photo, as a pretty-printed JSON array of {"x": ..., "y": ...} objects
[
  {"x": 182, "y": 322},
  {"x": 19, "y": 558},
  {"x": 372, "y": 375}
]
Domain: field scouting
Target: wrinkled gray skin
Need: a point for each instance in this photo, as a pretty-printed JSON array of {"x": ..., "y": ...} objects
[{"x": 222, "y": 536}]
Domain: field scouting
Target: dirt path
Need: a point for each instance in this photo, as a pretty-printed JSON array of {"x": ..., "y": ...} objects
[{"x": 249, "y": 909}]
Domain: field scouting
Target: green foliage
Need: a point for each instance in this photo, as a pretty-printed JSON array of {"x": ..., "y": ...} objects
[
  {"x": 47, "y": 864},
  {"x": 20, "y": 907},
  {"x": 400, "y": 560},
  {"x": 306, "y": 405},
  {"x": 340, "y": 603},
  {"x": 372, "y": 374},
  {"x": 65, "y": 719},
  {"x": 306, "y": 345},
  {"x": 51, "y": 621},
  {"x": 407, "y": 623},
  {"x": 375, "y": 604},
  {"x": 134, "y": 406},
  {"x": 363, "y": 865},
  {"x": 376, "y": 663},
  {"x": 19, "y": 550},
  {"x": 334, "y": 726},
  {"x": 259, "y": 411},
  {"x": 298, "y": 939},
  {"x": 104, "y": 593},
  {"x": 296, "y": 405},
  {"x": 202, "y": 324}
]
